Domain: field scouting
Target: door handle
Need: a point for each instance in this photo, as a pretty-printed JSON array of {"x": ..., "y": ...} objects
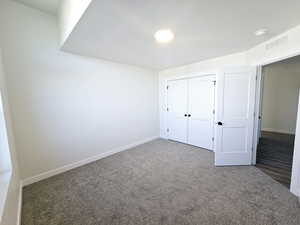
[{"x": 220, "y": 123}]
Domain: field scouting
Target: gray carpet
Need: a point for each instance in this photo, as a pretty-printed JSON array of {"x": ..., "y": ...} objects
[{"x": 160, "y": 182}]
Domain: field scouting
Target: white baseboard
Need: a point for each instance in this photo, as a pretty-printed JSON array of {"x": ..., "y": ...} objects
[
  {"x": 45, "y": 175},
  {"x": 20, "y": 203},
  {"x": 277, "y": 131},
  {"x": 295, "y": 192},
  {"x": 164, "y": 137}
]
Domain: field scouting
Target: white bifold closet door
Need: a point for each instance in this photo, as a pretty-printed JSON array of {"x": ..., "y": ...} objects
[
  {"x": 190, "y": 111},
  {"x": 177, "y": 110},
  {"x": 201, "y": 112}
]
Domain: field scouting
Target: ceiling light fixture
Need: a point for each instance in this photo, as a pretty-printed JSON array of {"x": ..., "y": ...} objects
[
  {"x": 164, "y": 36},
  {"x": 261, "y": 32}
]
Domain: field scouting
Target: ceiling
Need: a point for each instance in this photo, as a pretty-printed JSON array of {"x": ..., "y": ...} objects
[
  {"x": 122, "y": 30},
  {"x": 49, "y": 6}
]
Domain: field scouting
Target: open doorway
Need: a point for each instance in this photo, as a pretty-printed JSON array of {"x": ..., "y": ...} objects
[{"x": 278, "y": 117}]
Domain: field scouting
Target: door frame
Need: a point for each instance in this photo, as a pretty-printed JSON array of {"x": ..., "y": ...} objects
[
  {"x": 258, "y": 99},
  {"x": 295, "y": 181},
  {"x": 257, "y": 111},
  {"x": 186, "y": 77}
]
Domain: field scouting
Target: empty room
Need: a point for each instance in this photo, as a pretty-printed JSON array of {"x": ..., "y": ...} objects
[{"x": 149, "y": 112}]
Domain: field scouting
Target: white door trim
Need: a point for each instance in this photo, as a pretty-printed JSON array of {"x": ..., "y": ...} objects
[
  {"x": 191, "y": 75},
  {"x": 257, "y": 111},
  {"x": 295, "y": 180}
]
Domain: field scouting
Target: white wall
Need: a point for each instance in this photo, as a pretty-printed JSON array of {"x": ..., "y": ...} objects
[
  {"x": 280, "y": 96},
  {"x": 65, "y": 107},
  {"x": 70, "y": 13},
  {"x": 11, "y": 206}
]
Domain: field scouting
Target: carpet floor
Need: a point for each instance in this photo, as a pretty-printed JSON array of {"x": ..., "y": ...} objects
[{"x": 160, "y": 183}]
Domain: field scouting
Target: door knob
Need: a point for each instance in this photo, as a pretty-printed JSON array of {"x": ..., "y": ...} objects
[
  {"x": 189, "y": 115},
  {"x": 220, "y": 123},
  {"x": 185, "y": 115}
]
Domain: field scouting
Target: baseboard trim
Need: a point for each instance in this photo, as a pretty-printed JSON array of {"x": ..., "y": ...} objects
[
  {"x": 20, "y": 203},
  {"x": 295, "y": 191},
  {"x": 163, "y": 137},
  {"x": 276, "y": 131},
  {"x": 45, "y": 175}
]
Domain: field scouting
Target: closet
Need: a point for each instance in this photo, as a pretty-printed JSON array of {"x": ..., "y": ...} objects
[{"x": 191, "y": 110}]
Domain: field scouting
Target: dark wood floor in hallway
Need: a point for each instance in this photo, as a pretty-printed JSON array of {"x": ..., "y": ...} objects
[{"x": 275, "y": 156}]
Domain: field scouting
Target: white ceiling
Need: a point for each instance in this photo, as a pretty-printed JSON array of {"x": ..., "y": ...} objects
[
  {"x": 49, "y": 6},
  {"x": 122, "y": 30}
]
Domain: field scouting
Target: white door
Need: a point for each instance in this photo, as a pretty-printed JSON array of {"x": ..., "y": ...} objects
[
  {"x": 295, "y": 180},
  {"x": 177, "y": 110},
  {"x": 235, "y": 116},
  {"x": 201, "y": 112}
]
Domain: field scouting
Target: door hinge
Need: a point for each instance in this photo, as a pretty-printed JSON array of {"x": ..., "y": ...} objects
[
  {"x": 168, "y": 130},
  {"x": 214, "y": 82},
  {"x": 213, "y": 139},
  {"x": 167, "y": 109},
  {"x": 167, "y": 87},
  {"x": 214, "y": 111},
  {"x": 256, "y": 77}
]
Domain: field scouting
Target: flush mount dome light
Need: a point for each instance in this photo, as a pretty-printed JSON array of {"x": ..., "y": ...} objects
[
  {"x": 164, "y": 36},
  {"x": 261, "y": 32}
]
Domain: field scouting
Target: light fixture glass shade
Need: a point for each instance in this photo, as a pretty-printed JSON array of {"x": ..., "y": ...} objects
[
  {"x": 164, "y": 36},
  {"x": 261, "y": 32}
]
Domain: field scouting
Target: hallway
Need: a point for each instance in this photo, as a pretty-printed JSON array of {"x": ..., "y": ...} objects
[{"x": 275, "y": 156}]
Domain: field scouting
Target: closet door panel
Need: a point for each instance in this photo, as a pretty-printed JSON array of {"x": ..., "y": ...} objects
[
  {"x": 177, "y": 110},
  {"x": 201, "y": 107}
]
